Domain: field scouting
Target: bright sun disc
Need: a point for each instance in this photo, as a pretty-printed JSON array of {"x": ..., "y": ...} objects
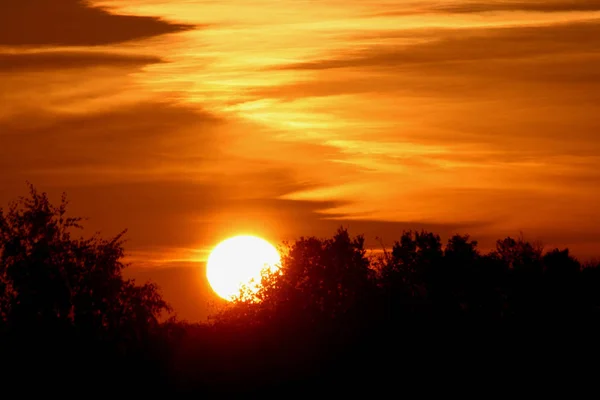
[{"x": 240, "y": 261}]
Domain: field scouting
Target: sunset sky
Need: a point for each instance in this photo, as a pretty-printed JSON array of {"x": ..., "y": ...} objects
[{"x": 189, "y": 121}]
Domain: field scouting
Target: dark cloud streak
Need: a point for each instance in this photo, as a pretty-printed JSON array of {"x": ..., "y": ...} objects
[
  {"x": 479, "y": 7},
  {"x": 547, "y": 6},
  {"x": 69, "y": 60},
  {"x": 73, "y": 23}
]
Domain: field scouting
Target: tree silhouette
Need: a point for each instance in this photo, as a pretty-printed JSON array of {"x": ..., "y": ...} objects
[
  {"x": 330, "y": 316},
  {"x": 319, "y": 280},
  {"x": 60, "y": 295},
  {"x": 405, "y": 273}
]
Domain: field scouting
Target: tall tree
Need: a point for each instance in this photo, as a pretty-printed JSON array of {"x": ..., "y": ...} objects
[{"x": 51, "y": 281}]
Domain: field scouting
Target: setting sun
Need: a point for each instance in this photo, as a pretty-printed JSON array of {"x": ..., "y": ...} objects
[{"x": 239, "y": 261}]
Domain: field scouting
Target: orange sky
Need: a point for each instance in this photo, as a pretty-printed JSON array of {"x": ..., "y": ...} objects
[{"x": 187, "y": 121}]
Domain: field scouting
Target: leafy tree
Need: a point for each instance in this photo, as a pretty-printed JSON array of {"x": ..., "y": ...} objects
[
  {"x": 406, "y": 272},
  {"x": 53, "y": 282},
  {"x": 519, "y": 253},
  {"x": 318, "y": 280},
  {"x": 312, "y": 307}
]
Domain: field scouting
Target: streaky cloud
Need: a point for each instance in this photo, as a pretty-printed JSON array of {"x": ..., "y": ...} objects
[
  {"x": 547, "y": 6},
  {"x": 74, "y": 23},
  {"x": 493, "y": 6},
  {"x": 474, "y": 44},
  {"x": 19, "y": 62}
]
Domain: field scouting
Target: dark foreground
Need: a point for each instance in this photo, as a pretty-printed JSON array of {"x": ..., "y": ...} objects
[
  {"x": 424, "y": 318},
  {"x": 440, "y": 361}
]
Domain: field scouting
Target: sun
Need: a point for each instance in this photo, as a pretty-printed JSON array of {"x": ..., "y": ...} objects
[{"x": 240, "y": 261}]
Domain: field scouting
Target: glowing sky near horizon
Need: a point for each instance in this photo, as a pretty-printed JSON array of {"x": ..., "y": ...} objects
[{"x": 283, "y": 118}]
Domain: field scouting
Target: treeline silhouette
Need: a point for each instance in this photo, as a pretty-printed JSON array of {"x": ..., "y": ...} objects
[{"x": 334, "y": 318}]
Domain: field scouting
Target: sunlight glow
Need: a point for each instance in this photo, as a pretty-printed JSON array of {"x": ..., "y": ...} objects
[{"x": 239, "y": 262}]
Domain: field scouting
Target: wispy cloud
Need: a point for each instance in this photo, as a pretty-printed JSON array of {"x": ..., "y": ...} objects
[
  {"x": 396, "y": 8},
  {"x": 48, "y": 60},
  {"x": 531, "y": 5},
  {"x": 471, "y": 45},
  {"x": 289, "y": 118}
]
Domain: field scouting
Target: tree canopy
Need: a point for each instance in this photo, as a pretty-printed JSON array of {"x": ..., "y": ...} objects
[
  {"x": 334, "y": 311},
  {"x": 61, "y": 294}
]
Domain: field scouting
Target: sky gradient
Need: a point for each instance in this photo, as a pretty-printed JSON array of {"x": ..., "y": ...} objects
[{"x": 188, "y": 121}]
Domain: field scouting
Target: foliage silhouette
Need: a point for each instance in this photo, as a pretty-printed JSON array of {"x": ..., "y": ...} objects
[
  {"x": 332, "y": 317},
  {"x": 61, "y": 295}
]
